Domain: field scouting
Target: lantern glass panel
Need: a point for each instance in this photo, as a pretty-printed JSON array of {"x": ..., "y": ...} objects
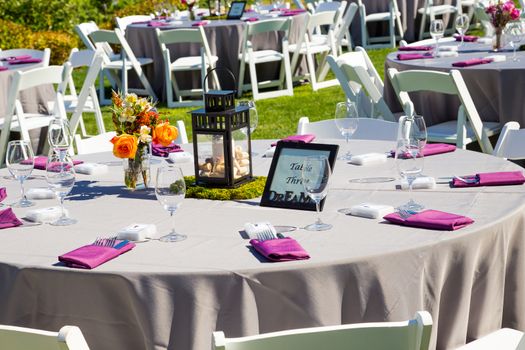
[
  {"x": 211, "y": 155},
  {"x": 240, "y": 149}
]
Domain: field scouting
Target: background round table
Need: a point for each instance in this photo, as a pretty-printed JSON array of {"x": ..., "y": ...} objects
[{"x": 172, "y": 296}]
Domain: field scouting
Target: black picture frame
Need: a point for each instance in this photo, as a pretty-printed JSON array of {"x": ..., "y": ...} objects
[
  {"x": 283, "y": 175},
  {"x": 236, "y": 10}
]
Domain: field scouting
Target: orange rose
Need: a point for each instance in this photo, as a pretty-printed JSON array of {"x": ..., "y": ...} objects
[
  {"x": 124, "y": 146},
  {"x": 165, "y": 133}
]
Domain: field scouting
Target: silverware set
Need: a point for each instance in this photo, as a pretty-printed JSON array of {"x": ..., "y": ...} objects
[
  {"x": 105, "y": 241},
  {"x": 265, "y": 234}
]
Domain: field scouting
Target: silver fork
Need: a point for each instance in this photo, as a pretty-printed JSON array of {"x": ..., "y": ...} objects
[
  {"x": 265, "y": 235},
  {"x": 466, "y": 180},
  {"x": 105, "y": 242}
]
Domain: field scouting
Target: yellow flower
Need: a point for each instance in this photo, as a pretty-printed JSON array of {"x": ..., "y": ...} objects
[
  {"x": 145, "y": 136},
  {"x": 165, "y": 133},
  {"x": 124, "y": 146},
  {"x": 131, "y": 99}
]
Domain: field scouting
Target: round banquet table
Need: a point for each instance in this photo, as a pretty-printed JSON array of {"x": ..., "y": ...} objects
[
  {"x": 495, "y": 87},
  {"x": 225, "y": 38},
  {"x": 173, "y": 295}
]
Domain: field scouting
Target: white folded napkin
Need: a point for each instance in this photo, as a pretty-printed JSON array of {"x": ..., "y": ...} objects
[
  {"x": 421, "y": 182},
  {"x": 370, "y": 210},
  {"x": 180, "y": 157},
  {"x": 368, "y": 159},
  {"x": 91, "y": 168},
  {"x": 447, "y": 54},
  {"x": 137, "y": 232},
  {"x": 497, "y": 58},
  {"x": 484, "y": 40},
  {"x": 40, "y": 193},
  {"x": 269, "y": 152},
  {"x": 448, "y": 48},
  {"x": 45, "y": 215},
  {"x": 253, "y": 229}
]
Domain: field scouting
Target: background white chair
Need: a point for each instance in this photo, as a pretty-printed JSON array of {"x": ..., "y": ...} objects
[
  {"x": 251, "y": 57},
  {"x": 86, "y": 101},
  {"x": 16, "y": 119},
  {"x": 202, "y": 63},
  {"x": 393, "y": 17},
  {"x": 342, "y": 35},
  {"x": 467, "y": 126},
  {"x": 429, "y": 11},
  {"x": 503, "y": 339},
  {"x": 408, "y": 335},
  {"x": 361, "y": 83},
  {"x": 367, "y": 129},
  {"x": 123, "y": 22},
  {"x": 338, "y": 9},
  {"x": 20, "y": 338},
  {"x": 511, "y": 142},
  {"x": 44, "y": 55}
]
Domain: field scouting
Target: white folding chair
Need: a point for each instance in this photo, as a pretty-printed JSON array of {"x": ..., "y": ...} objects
[
  {"x": 367, "y": 129},
  {"x": 251, "y": 57},
  {"x": 467, "y": 127},
  {"x": 342, "y": 35},
  {"x": 123, "y": 22},
  {"x": 393, "y": 17},
  {"x": 16, "y": 119},
  {"x": 310, "y": 49},
  {"x": 338, "y": 9},
  {"x": 483, "y": 17},
  {"x": 127, "y": 61},
  {"x": 86, "y": 101},
  {"x": 407, "y": 335},
  {"x": 502, "y": 339},
  {"x": 361, "y": 83},
  {"x": 21, "y": 338},
  {"x": 43, "y": 55},
  {"x": 202, "y": 63},
  {"x": 429, "y": 12},
  {"x": 511, "y": 142}
]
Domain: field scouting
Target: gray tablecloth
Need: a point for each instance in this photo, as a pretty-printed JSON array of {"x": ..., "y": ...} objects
[
  {"x": 495, "y": 88},
  {"x": 225, "y": 38},
  {"x": 172, "y": 296}
]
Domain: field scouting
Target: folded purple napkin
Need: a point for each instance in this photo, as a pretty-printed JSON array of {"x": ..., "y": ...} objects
[
  {"x": 8, "y": 219},
  {"x": 284, "y": 249},
  {"x": 416, "y": 48},
  {"x": 164, "y": 151},
  {"x": 467, "y": 38},
  {"x": 3, "y": 193},
  {"x": 2, "y": 68},
  {"x": 289, "y": 13},
  {"x": 91, "y": 256},
  {"x": 500, "y": 178},
  {"x": 14, "y": 58},
  {"x": 40, "y": 162},
  {"x": 306, "y": 138},
  {"x": 199, "y": 23},
  {"x": 28, "y": 60},
  {"x": 251, "y": 19},
  {"x": 413, "y": 56},
  {"x": 472, "y": 62},
  {"x": 157, "y": 24},
  {"x": 431, "y": 219},
  {"x": 434, "y": 148}
]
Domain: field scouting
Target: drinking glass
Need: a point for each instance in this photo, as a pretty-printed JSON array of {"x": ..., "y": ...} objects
[
  {"x": 514, "y": 30},
  {"x": 170, "y": 190},
  {"x": 59, "y": 136},
  {"x": 20, "y": 161},
  {"x": 462, "y": 23},
  {"x": 437, "y": 30},
  {"x": 315, "y": 175},
  {"x": 60, "y": 176},
  {"x": 254, "y": 116},
  {"x": 412, "y": 138},
  {"x": 346, "y": 120}
]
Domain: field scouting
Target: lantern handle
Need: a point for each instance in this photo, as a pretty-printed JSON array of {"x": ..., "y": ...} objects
[{"x": 204, "y": 85}]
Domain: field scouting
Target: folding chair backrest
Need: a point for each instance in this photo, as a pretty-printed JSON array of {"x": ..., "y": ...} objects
[
  {"x": 44, "y": 55},
  {"x": 19, "y": 338},
  {"x": 95, "y": 144},
  {"x": 272, "y": 25},
  {"x": 123, "y": 22},
  {"x": 190, "y": 35},
  {"x": 81, "y": 58},
  {"x": 104, "y": 36},
  {"x": 321, "y": 19},
  {"x": 330, "y": 6},
  {"x": 408, "y": 335},
  {"x": 511, "y": 144},
  {"x": 83, "y": 30},
  {"x": 342, "y": 29}
]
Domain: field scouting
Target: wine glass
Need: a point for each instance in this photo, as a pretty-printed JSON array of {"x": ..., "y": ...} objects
[
  {"x": 514, "y": 30},
  {"x": 60, "y": 176},
  {"x": 346, "y": 121},
  {"x": 437, "y": 30},
  {"x": 59, "y": 135},
  {"x": 462, "y": 23},
  {"x": 412, "y": 138},
  {"x": 20, "y": 161},
  {"x": 315, "y": 175},
  {"x": 170, "y": 190},
  {"x": 254, "y": 116}
]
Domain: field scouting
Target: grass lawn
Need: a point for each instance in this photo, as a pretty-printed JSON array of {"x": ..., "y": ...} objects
[{"x": 278, "y": 117}]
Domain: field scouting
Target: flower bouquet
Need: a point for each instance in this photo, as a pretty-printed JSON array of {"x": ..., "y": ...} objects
[
  {"x": 500, "y": 14},
  {"x": 137, "y": 124}
]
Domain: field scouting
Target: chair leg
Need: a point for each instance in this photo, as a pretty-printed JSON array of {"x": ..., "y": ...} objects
[
  {"x": 253, "y": 77},
  {"x": 311, "y": 70},
  {"x": 240, "y": 83},
  {"x": 288, "y": 74},
  {"x": 422, "y": 25},
  {"x": 98, "y": 113}
]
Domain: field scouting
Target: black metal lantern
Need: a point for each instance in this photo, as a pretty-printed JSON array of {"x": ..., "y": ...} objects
[{"x": 221, "y": 141}]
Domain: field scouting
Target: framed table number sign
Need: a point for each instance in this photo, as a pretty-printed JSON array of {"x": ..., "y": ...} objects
[
  {"x": 284, "y": 186},
  {"x": 236, "y": 10}
]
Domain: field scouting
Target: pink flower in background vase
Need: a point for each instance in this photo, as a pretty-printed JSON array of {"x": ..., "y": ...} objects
[{"x": 502, "y": 12}]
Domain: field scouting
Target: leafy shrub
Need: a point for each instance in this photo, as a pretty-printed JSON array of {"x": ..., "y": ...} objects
[
  {"x": 14, "y": 35},
  {"x": 60, "y": 44}
]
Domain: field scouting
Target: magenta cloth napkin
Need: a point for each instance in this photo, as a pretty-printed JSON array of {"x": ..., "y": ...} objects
[
  {"x": 500, "y": 178},
  {"x": 413, "y": 56},
  {"x": 3, "y": 193},
  {"x": 284, "y": 249},
  {"x": 2, "y": 68},
  {"x": 157, "y": 24},
  {"x": 141, "y": 22},
  {"x": 306, "y": 138},
  {"x": 40, "y": 162},
  {"x": 467, "y": 38},
  {"x": 434, "y": 148},
  {"x": 199, "y": 23},
  {"x": 472, "y": 62},
  {"x": 416, "y": 48},
  {"x": 431, "y": 219},
  {"x": 14, "y": 58},
  {"x": 164, "y": 151},
  {"x": 8, "y": 219},
  {"x": 28, "y": 60},
  {"x": 91, "y": 256},
  {"x": 251, "y": 19}
]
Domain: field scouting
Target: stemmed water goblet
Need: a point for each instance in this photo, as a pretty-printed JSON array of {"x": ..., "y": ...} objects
[
  {"x": 462, "y": 23},
  {"x": 59, "y": 136},
  {"x": 60, "y": 176},
  {"x": 437, "y": 30},
  {"x": 315, "y": 175},
  {"x": 254, "y": 117},
  {"x": 170, "y": 190},
  {"x": 346, "y": 120},
  {"x": 514, "y": 30},
  {"x": 20, "y": 161}
]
